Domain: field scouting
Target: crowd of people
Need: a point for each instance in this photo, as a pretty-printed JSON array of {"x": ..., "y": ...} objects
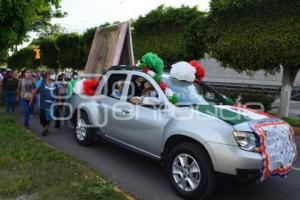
[
  {"x": 39, "y": 89},
  {"x": 43, "y": 89}
]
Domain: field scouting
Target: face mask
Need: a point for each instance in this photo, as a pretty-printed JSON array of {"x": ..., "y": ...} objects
[
  {"x": 75, "y": 77},
  {"x": 52, "y": 77}
]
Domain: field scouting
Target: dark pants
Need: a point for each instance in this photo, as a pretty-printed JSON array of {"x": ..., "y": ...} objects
[
  {"x": 43, "y": 118},
  {"x": 32, "y": 106},
  {"x": 66, "y": 111},
  {"x": 10, "y": 100},
  {"x": 58, "y": 114},
  {"x": 27, "y": 110}
]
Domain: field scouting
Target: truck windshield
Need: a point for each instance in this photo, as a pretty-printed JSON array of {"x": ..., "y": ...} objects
[{"x": 194, "y": 93}]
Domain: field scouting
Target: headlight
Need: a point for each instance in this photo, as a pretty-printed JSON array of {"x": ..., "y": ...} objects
[{"x": 247, "y": 141}]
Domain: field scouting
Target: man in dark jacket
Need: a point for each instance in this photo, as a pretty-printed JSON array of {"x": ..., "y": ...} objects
[{"x": 10, "y": 86}]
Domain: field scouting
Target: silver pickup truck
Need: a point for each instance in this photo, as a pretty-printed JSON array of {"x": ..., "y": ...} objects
[{"x": 196, "y": 140}]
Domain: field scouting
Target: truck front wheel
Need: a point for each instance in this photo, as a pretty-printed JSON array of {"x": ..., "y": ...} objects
[
  {"x": 190, "y": 171},
  {"x": 84, "y": 133}
]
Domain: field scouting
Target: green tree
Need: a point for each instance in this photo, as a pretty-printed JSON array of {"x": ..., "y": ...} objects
[
  {"x": 69, "y": 51},
  {"x": 49, "y": 52},
  {"x": 25, "y": 58},
  {"x": 51, "y": 30},
  {"x": 3, "y": 56},
  {"x": 169, "y": 32},
  {"x": 17, "y": 17},
  {"x": 86, "y": 43},
  {"x": 251, "y": 35}
]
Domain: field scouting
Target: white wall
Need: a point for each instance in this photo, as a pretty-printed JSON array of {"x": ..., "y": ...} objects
[{"x": 216, "y": 73}]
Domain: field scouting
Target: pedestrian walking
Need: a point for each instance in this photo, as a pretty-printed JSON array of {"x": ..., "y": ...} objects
[
  {"x": 1, "y": 79},
  {"x": 9, "y": 87},
  {"x": 15, "y": 74},
  {"x": 47, "y": 89},
  {"x": 26, "y": 86},
  {"x": 38, "y": 76},
  {"x": 60, "y": 99}
]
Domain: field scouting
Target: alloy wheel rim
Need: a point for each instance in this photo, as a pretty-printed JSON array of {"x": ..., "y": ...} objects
[
  {"x": 81, "y": 130},
  {"x": 186, "y": 172}
]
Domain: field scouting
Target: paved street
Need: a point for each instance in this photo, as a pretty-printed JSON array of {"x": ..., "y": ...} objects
[
  {"x": 294, "y": 108},
  {"x": 146, "y": 180}
]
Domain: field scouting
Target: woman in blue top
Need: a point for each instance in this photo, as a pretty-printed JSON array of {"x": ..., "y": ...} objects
[{"x": 47, "y": 89}]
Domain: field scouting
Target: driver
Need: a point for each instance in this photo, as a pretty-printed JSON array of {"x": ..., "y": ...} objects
[
  {"x": 147, "y": 94},
  {"x": 148, "y": 90}
]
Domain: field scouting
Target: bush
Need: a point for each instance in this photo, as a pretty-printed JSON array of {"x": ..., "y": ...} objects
[
  {"x": 294, "y": 122},
  {"x": 172, "y": 33}
]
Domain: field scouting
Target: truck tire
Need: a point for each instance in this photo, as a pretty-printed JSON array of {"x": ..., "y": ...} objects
[
  {"x": 84, "y": 134},
  {"x": 191, "y": 173}
]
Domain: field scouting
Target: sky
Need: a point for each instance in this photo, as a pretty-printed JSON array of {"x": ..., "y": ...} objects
[{"x": 83, "y": 14}]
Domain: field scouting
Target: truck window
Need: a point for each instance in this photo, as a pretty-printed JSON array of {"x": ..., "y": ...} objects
[
  {"x": 139, "y": 86},
  {"x": 114, "y": 86}
]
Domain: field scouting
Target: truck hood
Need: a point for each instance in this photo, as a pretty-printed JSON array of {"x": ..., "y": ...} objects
[
  {"x": 221, "y": 120},
  {"x": 233, "y": 115}
]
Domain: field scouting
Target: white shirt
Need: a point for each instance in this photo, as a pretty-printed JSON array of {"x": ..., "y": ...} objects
[{"x": 116, "y": 93}]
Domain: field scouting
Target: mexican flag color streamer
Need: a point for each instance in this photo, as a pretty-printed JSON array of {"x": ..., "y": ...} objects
[{"x": 153, "y": 65}]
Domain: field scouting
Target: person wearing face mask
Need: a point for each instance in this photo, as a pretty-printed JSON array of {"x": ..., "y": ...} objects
[
  {"x": 26, "y": 86},
  {"x": 47, "y": 89},
  {"x": 75, "y": 76},
  {"x": 60, "y": 98},
  {"x": 10, "y": 86}
]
